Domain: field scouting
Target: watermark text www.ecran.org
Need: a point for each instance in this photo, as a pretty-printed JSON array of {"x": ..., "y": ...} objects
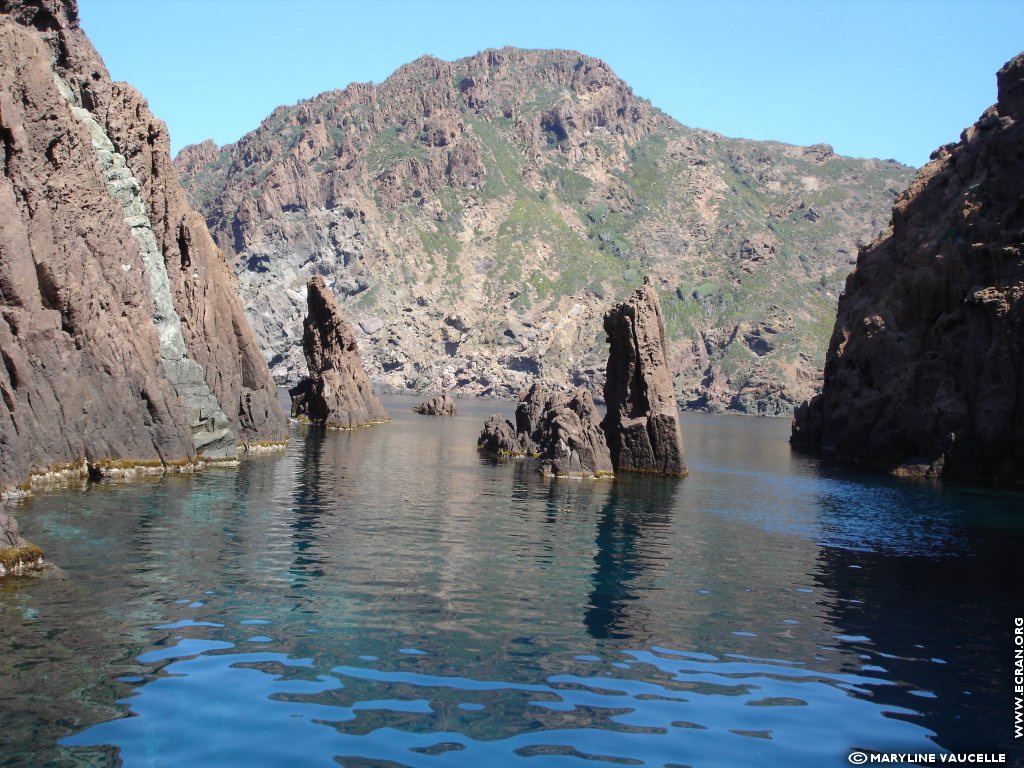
[
  {"x": 858, "y": 757},
  {"x": 1018, "y": 677}
]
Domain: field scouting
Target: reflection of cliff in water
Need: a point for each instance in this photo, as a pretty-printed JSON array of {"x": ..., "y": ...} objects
[
  {"x": 953, "y": 668},
  {"x": 630, "y": 541}
]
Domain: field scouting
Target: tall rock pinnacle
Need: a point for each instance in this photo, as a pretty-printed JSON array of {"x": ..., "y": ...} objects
[
  {"x": 337, "y": 393},
  {"x": 642, "y": 423}
]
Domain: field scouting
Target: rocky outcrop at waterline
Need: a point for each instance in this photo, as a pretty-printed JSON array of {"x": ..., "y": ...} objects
[
  {"x": 571, "y": 441},
  {"x": 503, "y": 438},
  {"x": 499, "y": 438},
  {"x": 640, "y": 431},
  {"x": 642, "y": 422},
  {"x": 561, "y": 430},
  {"x": 442, "y": 405},
  {"x": 123, "y": 342},
  {"x": 925, "y": 369},
  {"x": 337, "y": 392},
  {"x": 17, "y": 556}
]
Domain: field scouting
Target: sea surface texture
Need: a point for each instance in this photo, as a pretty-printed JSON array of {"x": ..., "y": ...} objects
[{"x": 389, "y": 597}]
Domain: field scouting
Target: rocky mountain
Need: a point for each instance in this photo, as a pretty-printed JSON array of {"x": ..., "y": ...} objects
[
  {"x": 475, "y": 217},
  {"x": 123, "y": 342},
  {"x": 925, "y": 369}
]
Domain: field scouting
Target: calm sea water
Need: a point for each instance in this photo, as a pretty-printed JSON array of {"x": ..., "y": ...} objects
[{"x": 388, "y": 597}]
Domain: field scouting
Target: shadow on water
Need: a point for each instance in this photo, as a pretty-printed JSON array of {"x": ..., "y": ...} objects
[{"x": 939, "y": 633}]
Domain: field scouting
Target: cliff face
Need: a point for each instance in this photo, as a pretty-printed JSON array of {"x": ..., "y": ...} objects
[
  {"x": 476, "y": 217},
  {"x": 925, "y": 368},
  {"x": 122, "y": 341}
]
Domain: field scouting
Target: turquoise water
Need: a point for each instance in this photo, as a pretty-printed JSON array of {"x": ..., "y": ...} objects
[{"x": 388, "y": 597}]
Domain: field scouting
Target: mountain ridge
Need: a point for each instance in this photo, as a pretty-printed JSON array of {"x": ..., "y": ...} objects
[{"x": 476, "y": 217}]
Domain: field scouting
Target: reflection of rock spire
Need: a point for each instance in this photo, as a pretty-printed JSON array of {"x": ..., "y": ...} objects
[
  {"x": 307, "y": 508},
  {"x": 625, "y": 551},
  {"x": 642, "y": 423}
]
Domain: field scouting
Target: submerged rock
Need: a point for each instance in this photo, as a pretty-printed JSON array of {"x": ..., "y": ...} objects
[
  {"x": 642, "y": 423},
  {"x": 337, "y": 392},
  {"x": 924, "y": 372},
  {"x": 442, "y": 405},
  {"x": 562, "y": 430}
]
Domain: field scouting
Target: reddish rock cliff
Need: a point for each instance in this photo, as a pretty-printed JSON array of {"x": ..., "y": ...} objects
[
  {"x": 453, "y": 205},
  {"x": 925, "y": 368},
  {"x": 122, "y": 340}
]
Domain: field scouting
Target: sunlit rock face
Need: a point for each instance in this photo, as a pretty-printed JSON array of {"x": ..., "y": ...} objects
[
  {"x": 124, "y": 344},
  {"x": 562, "y": 430},
  {"x": 642, "y": 423},
  {"x": 475, "y": 219}
]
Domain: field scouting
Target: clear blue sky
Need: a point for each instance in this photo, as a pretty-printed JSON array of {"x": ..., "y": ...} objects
[{"x": 874, "y": 78}]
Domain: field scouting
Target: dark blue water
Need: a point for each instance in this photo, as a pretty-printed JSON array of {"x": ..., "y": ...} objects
[{"x": 388, "y": 597}]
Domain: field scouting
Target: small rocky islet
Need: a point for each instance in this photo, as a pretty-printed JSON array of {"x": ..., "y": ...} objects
[
  {"x": 639, "y": 433},
  {"x": 126, "y": 348},
  {"x": 442, "y": 405}
]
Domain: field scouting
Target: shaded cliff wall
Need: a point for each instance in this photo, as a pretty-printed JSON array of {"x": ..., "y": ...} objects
[{"x": 925, "y": 368}]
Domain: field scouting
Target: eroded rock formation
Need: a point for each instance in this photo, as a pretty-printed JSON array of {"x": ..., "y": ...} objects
[
  {"x": 442, "y": 405},
  {"x": 642, "y": 422},
  {"x": 123, "y": 341},
  {"x": 499, "y": 438},
  {"x": 337, "y": 392},
  {"x": 562, "y": 430},
  {"x": 17, "y": 556},
  {"x": 925, "y": 369},
  {"x": 571, "y": 441}
]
